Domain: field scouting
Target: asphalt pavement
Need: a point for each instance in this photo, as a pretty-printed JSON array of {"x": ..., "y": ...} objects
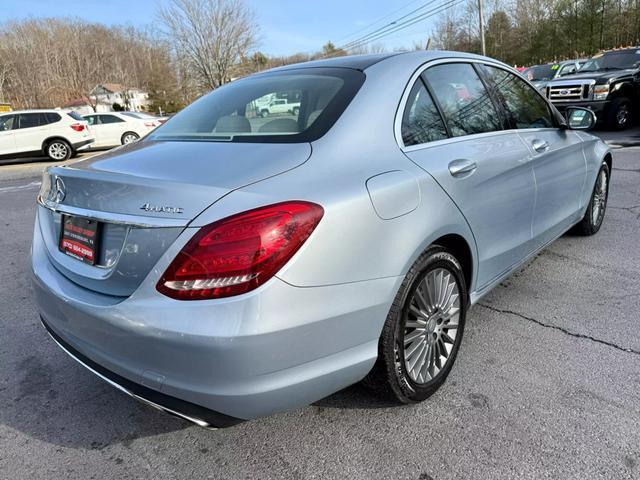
[{"x": 546, "y": 384}]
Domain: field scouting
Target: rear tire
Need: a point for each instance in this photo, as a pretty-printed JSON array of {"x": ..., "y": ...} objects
[
  {"x": 58, "y": 150},
  {"x": 296, "y": 111},
  {"x": 129, "y": 137},
  {"x": 619, "y": 115},
  {"x": 593, "y": 217},
  {"x": 423, "y": 331},
  {"x": 264, "y": 113}
]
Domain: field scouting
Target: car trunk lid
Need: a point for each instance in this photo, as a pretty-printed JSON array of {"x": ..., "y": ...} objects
[{"x": 144, "y": 195}]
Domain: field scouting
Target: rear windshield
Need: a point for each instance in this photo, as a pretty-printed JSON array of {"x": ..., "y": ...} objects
[
  {"x": 541, "y": 72},
  {"x": 75, "y": 116},
  {"x": 282, "y": 107},
  {"x": 139, "y": 116}
]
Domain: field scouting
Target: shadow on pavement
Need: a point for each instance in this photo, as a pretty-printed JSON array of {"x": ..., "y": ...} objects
[
  {"x": 54, "y": 400},
  {"x": 355, "y": 397}
]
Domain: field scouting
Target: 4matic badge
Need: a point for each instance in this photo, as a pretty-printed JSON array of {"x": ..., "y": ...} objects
[{"x": 147, "y": 207}]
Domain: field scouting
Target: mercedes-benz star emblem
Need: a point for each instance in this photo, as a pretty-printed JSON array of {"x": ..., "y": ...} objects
[{"x": 59, "y": 190}]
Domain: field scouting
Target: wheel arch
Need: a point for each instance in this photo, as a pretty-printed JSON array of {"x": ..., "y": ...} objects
[
  {"x": 608, "y": 159},
  {"x": 460, "y": 249},
  {"x": 48, "y": 140},
  {"x": 625, "y": 90},
  {"x": 127, "y": 132}
]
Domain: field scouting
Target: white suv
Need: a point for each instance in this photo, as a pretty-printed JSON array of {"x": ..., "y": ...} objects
[
  {"x": 119, "y": 128},
  {"x": 279, "y": 105},
  {"x": 55, "y": 133}
]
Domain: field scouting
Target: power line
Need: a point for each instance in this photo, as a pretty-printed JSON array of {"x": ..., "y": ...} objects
[
  {"x": 375, "y": 22},
  {"x": 391, "y": 24},
  {"x": 447, "y": 4},
  {"x": 403, "y": 25}
]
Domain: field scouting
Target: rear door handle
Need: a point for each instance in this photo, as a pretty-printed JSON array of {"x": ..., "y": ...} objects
[
  {"x": 459, "y": 168},
  {"x": 540, "y": 145}
]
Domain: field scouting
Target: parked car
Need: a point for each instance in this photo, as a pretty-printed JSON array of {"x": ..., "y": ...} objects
[
  {"x": 224, "y": 268},
  {"x": 541, "y": 75},
  {"x": 119, "y": 128},
  {"x": 54, "y": 133},
  {"x": 143, "y": 116},
  {"x": 608, "y": 84},
  {"x": 279, "y": 106}
]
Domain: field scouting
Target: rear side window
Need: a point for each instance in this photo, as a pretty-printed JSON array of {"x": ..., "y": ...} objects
[
  {"x": 289, "y": 106},
  {"x": 6, "y": 123},
  {"x": 91, "y": 119},
  {"x": 52, "y": 117},
  {"x": 75, "y": 116},
  {"x": 104, "y": 119},
  {"x": 465, "y": 103},
  {"x": 525, "y": 108},
  {"x": 421, "y": 121}
]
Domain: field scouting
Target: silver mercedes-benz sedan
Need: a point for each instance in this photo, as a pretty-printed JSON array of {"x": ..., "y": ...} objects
[{"x": 236, "y": 263}]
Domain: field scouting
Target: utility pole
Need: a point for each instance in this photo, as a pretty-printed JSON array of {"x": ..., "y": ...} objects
[{"x": 482, "y": 44}]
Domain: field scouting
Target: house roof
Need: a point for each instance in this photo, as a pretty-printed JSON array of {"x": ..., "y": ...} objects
[
  {"x": 113, "y": 87},
  {"x": 79, "y": 102}
]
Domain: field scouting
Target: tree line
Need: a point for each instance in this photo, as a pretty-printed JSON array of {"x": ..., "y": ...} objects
[
  {"x": 194, "y": 46},
  {"x": 48, "y": 62},
  {"x": 527, "y": 32},
  {"x": 191, "y": 47}
]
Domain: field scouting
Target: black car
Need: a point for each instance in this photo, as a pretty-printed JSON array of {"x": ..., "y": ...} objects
[{"x": 608, "y": 84}]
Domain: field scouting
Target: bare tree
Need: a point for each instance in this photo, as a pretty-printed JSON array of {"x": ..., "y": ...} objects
[
  {"x": 211, "y": 36},
  {"x": 48, "y": 62}
]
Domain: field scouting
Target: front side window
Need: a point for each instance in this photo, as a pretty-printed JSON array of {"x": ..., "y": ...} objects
[
  {"x": 285, "y": 107},
  {"x": 465, "y": 103},
  {"x": 6, "y": 123},
  {"x": 525, "y": 108},
  {"x": 30, "y": 120},
  {"x": 421, "y": 121}
]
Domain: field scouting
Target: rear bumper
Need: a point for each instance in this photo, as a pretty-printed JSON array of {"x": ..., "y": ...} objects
[
  {"x": 171, "y": 405},
  {"x": 83, "y": 144},
  {"x": 273, "y": 349}
]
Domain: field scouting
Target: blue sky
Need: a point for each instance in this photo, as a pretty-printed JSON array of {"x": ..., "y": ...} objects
[{"x": 287, "y": 26}]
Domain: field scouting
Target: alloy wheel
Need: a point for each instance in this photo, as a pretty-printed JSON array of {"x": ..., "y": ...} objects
[
  {"x": 622, "y": 116},
  {"x": 129, "y": 138},
  {"x": 58, "y": 151},
  {"x": 431, "y": 325},
  {"x": 599, "y": 200}
]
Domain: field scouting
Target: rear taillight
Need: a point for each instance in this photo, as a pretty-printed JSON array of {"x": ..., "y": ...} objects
[
  {"x": 239, "y": 253},
  {"x": 78, "y": 127}
]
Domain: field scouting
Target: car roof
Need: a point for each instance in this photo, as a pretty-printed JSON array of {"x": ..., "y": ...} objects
[
  {"x": 356, "y": 62},
  {"x": 38, "y": 110},
  {"x": 363, "y": 62},
  {"x": 561, "y": 62},
  {"x": 619, "y": 51},
  {"x": 100, "y": 113}
]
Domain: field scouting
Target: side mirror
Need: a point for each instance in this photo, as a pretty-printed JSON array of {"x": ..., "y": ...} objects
[{"x": 580, "y": 118}]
